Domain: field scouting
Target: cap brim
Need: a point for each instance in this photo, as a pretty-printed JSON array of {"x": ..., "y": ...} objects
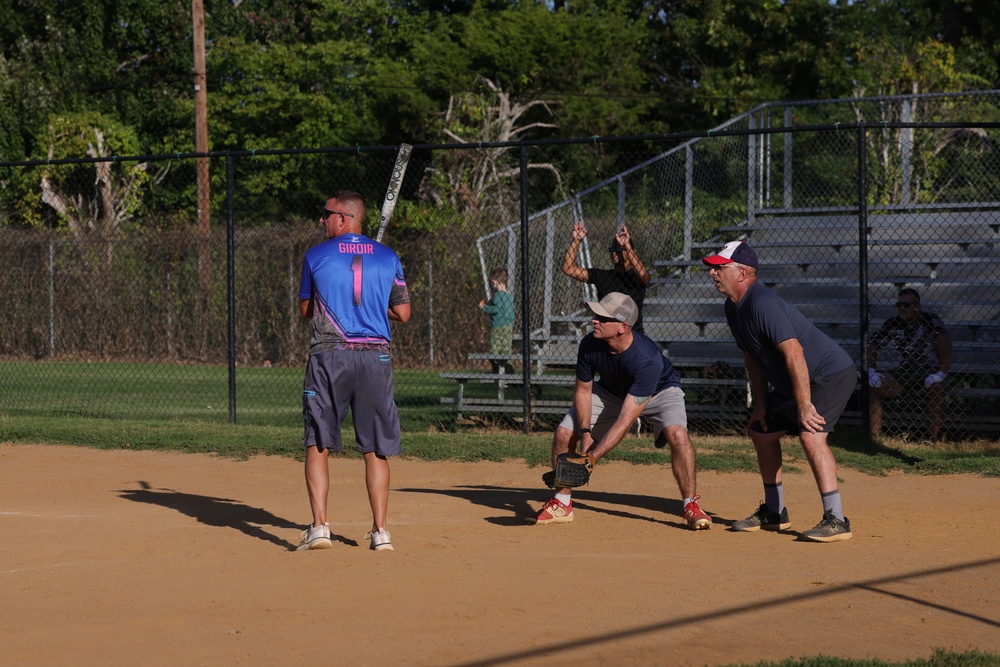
[
  {"x": 599, "y": 309},
  {"x": 716, "y": 260}
]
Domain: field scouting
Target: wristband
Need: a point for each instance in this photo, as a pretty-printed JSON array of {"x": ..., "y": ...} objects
[{"x": 582, "y": 431}]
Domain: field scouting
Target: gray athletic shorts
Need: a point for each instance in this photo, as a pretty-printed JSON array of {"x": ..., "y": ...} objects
[
  {"x": 357, "y": 379},
  {"x": 663, "y": 409},
  {"x": 829, "y": 394}
]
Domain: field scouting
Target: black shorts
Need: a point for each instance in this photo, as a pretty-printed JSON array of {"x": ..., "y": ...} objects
[
  {"x": 357, "y": 379},
  {"x": 911, "y": 378},
  {"x": 829, "y": 395}
]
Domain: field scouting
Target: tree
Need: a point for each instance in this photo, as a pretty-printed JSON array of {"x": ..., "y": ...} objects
[
  {"x": 589, "y": 59},
  {"x": 478, "y": 181},
  {"x": 721, "y": 57},
  {"x": 92, "y": 208},
  {"x": 121, "y": 58},
  {"x": 894, "y": 49}
]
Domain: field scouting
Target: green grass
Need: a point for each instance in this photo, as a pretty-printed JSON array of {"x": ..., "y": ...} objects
[
  {"x": 186, "y": 408},
  {"x": 142, "y": 391}
]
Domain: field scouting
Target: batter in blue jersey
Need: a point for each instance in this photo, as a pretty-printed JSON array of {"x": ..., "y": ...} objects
[{"x": 351, "y": 287}]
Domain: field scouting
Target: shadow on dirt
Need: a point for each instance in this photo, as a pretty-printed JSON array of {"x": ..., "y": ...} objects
[
  {"x": 514, "y": 503},
  {"x": 220, "y": 512}
]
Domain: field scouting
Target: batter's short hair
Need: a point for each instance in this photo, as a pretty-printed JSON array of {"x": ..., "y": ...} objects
[{"x": 354, "y": 198}]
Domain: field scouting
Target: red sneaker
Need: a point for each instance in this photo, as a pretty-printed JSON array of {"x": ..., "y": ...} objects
[
  {"x": 553, "y": 512},
  {"x": 695, "y": 516}
]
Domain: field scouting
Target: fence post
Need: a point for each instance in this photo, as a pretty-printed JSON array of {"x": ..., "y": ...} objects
[
  {"x": 52, "y": 299},
  {"x": 688, "y": 200},
  {"x": 231, "y": 287},
  {"x": 863, "y": 272},
  {"x": 525, "y": 295},
  {"x": 788, "y": 159},
  {"x": 906, "y": 150},
  {"x": 550, "y": 277},
  {"x": 430, "y": 304},
  {"x": 621, "y": 205},
  {"x": 751, "y": 170},
  {"x": 764, "y": 197}
]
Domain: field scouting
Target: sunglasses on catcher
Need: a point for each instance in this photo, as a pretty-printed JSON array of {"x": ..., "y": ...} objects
[
  {"x": 604, "y": 319},
  {"x": 903, "y": 305}
]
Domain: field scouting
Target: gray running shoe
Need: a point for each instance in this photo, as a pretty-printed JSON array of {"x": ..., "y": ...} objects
[
  {"x": 830, "y": 529},
  {"x": 763, "y": 518},
  {"x": 381, "y": 541},
  {"x": 315, "y": 537}
]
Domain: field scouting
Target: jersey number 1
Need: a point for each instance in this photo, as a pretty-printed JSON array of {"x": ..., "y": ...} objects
[{"x": 356, "y": 269}]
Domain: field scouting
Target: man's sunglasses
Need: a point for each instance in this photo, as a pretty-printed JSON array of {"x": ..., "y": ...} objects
[
  {"x": 604, "y": 319},
  {"x": 906, "y": 304},
  {"x": 327, "y": 213}
]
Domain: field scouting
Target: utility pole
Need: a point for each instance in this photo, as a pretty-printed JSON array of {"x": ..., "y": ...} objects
[{"x": 201, "y": 146}]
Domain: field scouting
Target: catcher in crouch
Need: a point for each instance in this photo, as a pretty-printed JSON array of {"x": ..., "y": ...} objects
[{"x": 635, "y": 378}]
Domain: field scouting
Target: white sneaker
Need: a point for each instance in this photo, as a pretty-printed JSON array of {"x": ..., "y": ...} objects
[
  {"x": 315, "y": 537},
  {"x": 380, "y": 540}
]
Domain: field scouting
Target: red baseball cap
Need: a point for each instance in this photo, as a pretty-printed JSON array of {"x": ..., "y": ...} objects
[{"x": 734, "y": 251}]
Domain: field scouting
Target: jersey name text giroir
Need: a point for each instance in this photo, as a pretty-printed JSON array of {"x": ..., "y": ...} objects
[{"x": 356, "y": 248}]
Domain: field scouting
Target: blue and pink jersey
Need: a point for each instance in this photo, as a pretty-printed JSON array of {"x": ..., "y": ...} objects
[{"x": 352, "y": 281}]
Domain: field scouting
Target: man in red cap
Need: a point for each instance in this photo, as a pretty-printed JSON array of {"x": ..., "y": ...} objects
[
  {"x": 634, "y": 379},
  {"x": 810, "y": 377}
]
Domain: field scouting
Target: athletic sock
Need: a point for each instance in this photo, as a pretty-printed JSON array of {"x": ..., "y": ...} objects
[
  {"x": 774, "y": 497},
  {"x": 831, "y": 503},
  {"x": 564, "y": 498}
]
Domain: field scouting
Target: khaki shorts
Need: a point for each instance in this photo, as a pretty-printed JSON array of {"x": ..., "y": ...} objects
[{"x": 663, "y": 409}]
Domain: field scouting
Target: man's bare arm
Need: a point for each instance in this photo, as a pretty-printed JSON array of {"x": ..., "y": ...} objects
[
  {"x": 400, "y": 313},
  {"x": 569, "y": 265},
  {"x": 798, "y": 371},
  {"x": 631, "y": 256},
  {"x": 944, "y": 351}
]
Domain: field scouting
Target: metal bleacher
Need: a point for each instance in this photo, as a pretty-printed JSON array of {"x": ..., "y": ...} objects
[
  {"x": 811, "y": 255},
  {"x": 813, "y": 261}
]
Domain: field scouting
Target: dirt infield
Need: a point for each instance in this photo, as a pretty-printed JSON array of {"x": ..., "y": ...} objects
[{"x": 128, "y": 557}]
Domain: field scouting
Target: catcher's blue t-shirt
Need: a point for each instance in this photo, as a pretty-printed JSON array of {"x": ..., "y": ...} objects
[
  {"x": 762, "y": 319},
  {"x": 353, "y": 281},
  {"x": 641, "y": 370}
]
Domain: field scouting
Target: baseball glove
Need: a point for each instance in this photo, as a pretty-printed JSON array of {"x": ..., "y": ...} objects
[{"x": 572, "y": 470}]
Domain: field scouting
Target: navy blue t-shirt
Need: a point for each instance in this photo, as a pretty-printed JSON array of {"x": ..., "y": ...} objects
[
  {"x": 762, "y": 320},
  {"x": 641, "y": 370}
]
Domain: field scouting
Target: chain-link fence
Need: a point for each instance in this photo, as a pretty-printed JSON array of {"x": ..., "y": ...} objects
[{"x": 165, "y": 287}]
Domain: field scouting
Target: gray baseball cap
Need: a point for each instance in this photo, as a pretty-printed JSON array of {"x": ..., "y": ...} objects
[{"x": 617, "y": 306}]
